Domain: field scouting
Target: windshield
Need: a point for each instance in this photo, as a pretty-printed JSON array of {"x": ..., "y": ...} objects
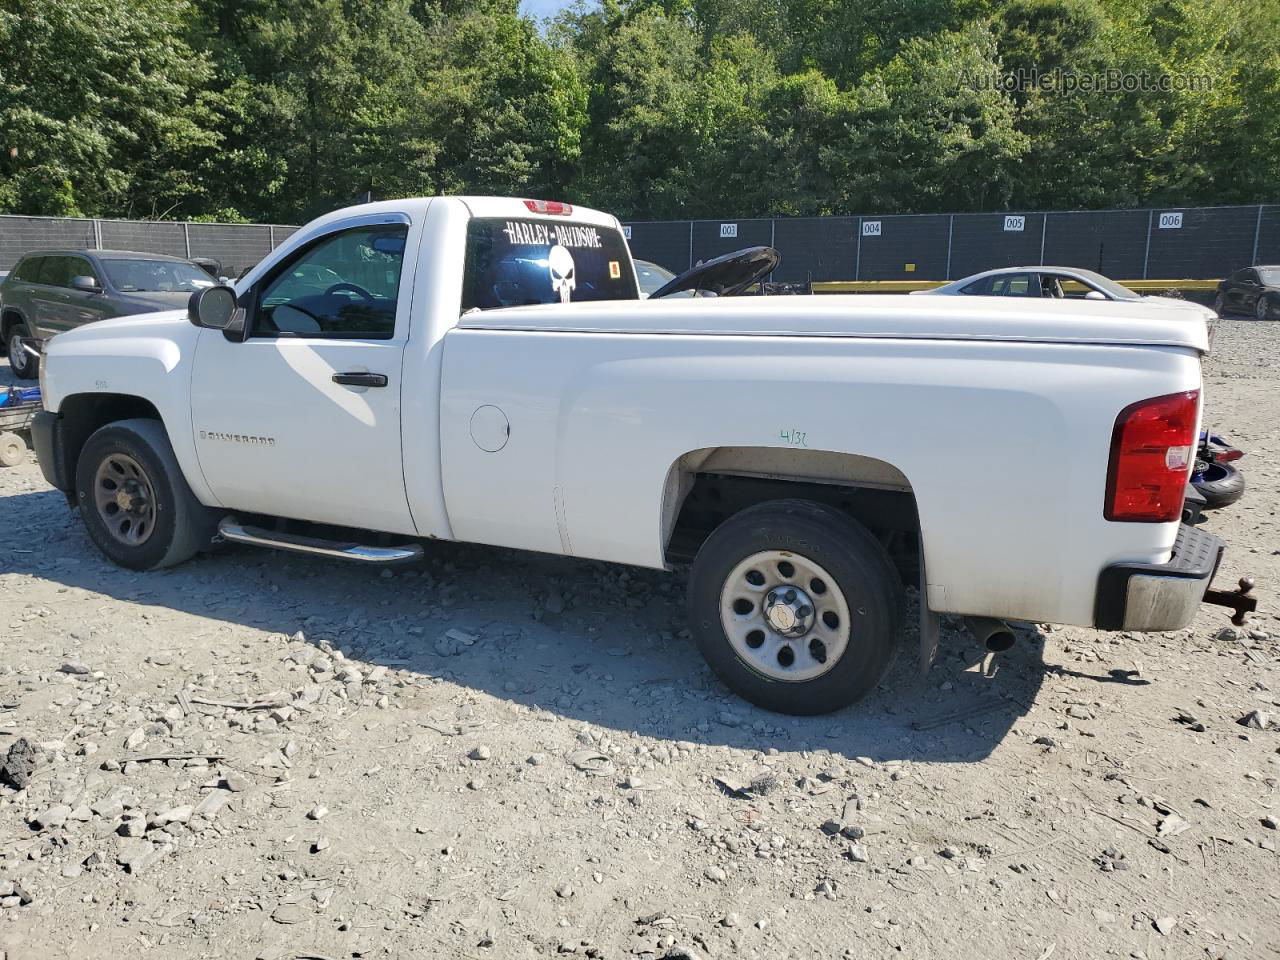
[
  {"x": 515, "y": 262},
  {"x": 155, "y": 276},
  {"x": 652, "y": 277},
  {"x": 1109, "y": 287},
  {"x": 1270, "y": 277}
]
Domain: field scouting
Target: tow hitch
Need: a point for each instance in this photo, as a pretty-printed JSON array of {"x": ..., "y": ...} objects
[{"x": 1241, "y": 600}]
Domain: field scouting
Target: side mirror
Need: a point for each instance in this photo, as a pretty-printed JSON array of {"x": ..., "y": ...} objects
[
  {"x": 85, "y": 284},
  {"x": 214, "y": 308},
  {"x": 1095, "y": 295}
]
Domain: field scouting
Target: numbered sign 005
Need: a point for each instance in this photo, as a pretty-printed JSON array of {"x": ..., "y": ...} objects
[{"x": 1016, "y": 224}]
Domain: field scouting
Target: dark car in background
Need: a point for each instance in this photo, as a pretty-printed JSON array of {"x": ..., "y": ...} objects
[
  {"x": 1252, "y": 290},
  {"x": 55, "y": 290}
]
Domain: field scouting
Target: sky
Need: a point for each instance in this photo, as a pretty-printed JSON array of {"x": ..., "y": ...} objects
[{"x": 542, "y": 8}]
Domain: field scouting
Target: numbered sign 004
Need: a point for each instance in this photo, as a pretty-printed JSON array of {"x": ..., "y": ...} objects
[{"x": 871, "y": 228}]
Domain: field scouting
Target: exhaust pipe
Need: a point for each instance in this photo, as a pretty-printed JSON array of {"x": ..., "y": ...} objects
[{"x": 996, "y": 635}]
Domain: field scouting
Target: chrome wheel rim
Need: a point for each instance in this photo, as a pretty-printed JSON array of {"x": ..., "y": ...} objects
[
  {"x": 125, "y": 499},
  {"x": 18, "y": 358},
  {"x": 785, "y": 616}
]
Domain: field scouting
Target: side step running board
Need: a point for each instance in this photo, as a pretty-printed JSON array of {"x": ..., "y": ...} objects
[{"x": 235, "y": 532}]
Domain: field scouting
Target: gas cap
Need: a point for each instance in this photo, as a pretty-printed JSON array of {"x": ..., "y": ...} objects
[{"x": 489, "y": 428}]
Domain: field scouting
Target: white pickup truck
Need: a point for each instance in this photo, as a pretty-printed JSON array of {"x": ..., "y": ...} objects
[{"x": 481, "y": 369}]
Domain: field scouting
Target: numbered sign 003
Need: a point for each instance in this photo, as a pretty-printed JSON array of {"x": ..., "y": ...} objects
[{"x": 728, "y": 230}]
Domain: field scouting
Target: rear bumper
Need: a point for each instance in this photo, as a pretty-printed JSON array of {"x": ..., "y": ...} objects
[
  {"x": 1159, "y": 596},
  {"x": 45, "y": 441}
]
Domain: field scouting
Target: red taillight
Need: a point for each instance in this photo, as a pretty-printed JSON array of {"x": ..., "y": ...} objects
[
  {"x": 1227, "y": 456},
  {"x": 1152, "y": 448},
  {"x": 553, "y": 207}
]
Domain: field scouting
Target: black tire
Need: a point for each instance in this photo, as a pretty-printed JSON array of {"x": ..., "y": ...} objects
[
  {"x": 1220, "y": 305},
  {"x": 23, "y": 364},
  {"x": 1222, "y": 486},
  {"x": 179, "y": 524},
  {"x": 1264, "y": 309},
  {"x": 852, "y": 557}
]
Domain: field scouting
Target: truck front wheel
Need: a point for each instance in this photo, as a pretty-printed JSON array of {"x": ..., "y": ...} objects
[
  {"x": 134, "y": 499},
  {"x": 795, "y": 606}
]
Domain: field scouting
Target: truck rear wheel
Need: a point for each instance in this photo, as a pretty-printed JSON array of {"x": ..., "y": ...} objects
[
  {"x": 795, "y": 606},
  {"x": 134, "y": 499}
]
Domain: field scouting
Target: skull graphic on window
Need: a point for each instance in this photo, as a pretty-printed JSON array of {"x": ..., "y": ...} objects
[{"x": 563, "y": 278}]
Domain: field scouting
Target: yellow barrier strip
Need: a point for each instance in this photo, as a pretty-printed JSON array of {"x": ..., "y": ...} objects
[{"x": 906, "y": 286}]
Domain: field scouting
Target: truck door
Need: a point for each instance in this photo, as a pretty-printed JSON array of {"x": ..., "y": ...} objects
[{"x": 302, "y": 419}]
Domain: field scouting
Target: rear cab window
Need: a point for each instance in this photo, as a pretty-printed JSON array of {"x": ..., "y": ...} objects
[{"x": 516, "y": 261}]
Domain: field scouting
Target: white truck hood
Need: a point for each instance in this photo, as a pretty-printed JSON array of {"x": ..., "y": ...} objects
[
  {"x": 898, "y": 317},
  {"x": 163, "y": 323}
]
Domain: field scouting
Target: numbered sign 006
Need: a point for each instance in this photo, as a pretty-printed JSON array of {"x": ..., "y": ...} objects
[{"x": 1171, "y": 221}]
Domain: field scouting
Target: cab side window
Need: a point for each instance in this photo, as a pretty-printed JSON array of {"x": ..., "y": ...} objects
[
  {"x": 56, "y": 271},
  {"x": 342, "y": 286}
]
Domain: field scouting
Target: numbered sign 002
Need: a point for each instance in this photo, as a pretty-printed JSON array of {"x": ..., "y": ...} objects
[{"x": 1015, "y": 224}]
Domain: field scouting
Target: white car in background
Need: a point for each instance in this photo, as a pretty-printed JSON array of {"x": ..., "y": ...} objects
[
  {"x": 1059, "y": 283},
  {"x": 652, "y": 277},
  {"x": 1056, "y": 283}
]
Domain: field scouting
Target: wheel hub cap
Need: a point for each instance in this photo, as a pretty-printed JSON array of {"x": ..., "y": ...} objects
[
  {"x": 789, "y": 611},
  {"x": 125, "y": 500},
  {"x": 785, "y": 616}
]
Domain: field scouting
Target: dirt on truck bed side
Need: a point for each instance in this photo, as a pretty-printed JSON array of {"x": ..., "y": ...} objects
[{"x": 504, "y": 755}]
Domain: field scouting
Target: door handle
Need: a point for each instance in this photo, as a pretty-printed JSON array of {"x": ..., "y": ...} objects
[{"x": 361, "y": 379}]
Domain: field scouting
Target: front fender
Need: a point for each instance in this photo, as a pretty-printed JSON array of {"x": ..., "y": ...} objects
[{"x": 148, "y": 358}]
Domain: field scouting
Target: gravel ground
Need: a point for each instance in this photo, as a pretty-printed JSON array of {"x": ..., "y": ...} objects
[{"x": 505, "y": 755}]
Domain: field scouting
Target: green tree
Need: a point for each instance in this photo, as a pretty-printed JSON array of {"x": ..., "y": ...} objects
[
  {"x": 500, "y": 110},
  {"x": 101, "y": 106},
  {"x": 927, "y": 137}
]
